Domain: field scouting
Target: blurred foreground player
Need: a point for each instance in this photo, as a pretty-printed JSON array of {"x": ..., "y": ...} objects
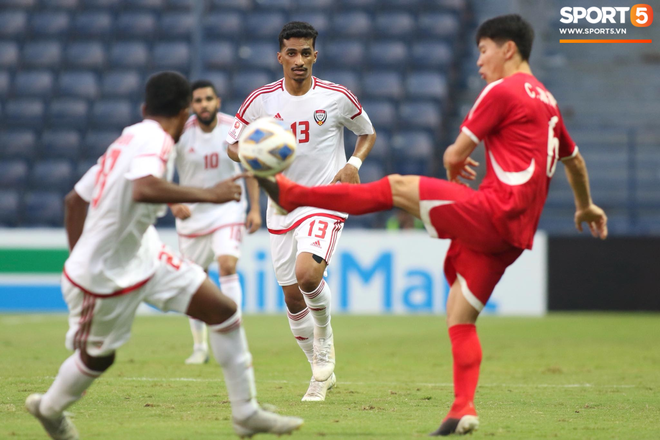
[
  {"x": 303, "y": 242},
  {"x": 210, "y": 231},
  {"x": 117, "y": 261},
  {"x": 524, "y": 137}
]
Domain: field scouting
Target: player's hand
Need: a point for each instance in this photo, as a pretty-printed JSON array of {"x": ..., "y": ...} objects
[
  {"x": 464, "y": 171},
  {"x": 595, "y": 219},
  {"x": 180, "y": 211},
  {"x": 348, "y": 174},
  {"x": 253, "y": 221},
  {"x": 227, "y": 190}
]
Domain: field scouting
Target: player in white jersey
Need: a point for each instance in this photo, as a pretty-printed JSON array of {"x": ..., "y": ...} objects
[
  {"x": 303, "y": 242},
  {"x": 117, "y": 261},
  {"x": 210, "y": 231}
]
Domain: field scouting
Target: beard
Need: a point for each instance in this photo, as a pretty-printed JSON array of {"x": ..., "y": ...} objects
[{"x": 208, "y": 121}]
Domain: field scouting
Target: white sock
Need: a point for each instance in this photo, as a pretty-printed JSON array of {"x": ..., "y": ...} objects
[
  {"x": 199, "y": 332},
  {"x": 302, "y": 327},
  {"x": 231, "y": 287},
  {"x": 71, "y": 381},
  {"x": 318, "y": 302},
  {"x": 230, "y": 349}
]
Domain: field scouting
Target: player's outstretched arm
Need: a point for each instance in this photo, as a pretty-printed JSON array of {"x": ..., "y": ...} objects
[
  {"x": 151, "y": 189},
  {"x": 253, "y": 219},
  {"x": 349, "y": 174},
  {"x": 75, "y": 213},
  {"x": 457, "y": 160},
  {"x": 585, "y": 210}
]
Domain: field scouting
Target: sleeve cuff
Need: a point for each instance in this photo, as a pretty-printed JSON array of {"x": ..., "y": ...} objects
[
  {"x": 575, "y": 152},
  {"x": 470, "y": 134}
]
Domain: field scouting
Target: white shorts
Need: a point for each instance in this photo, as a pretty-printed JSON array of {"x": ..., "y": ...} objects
[
  {"x": 316, "y": 235},
  {"x": 225, "y": 240},
  {"x": 101, "y": 324}
]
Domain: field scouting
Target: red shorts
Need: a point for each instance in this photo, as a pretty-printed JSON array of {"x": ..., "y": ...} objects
[{"x": 478, "y": 255}]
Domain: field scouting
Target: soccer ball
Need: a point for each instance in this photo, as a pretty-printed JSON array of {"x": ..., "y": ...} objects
[{"x": 266, "y": 147}]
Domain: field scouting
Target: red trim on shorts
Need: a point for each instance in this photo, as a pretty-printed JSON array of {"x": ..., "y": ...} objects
[
  {"x": 201, "y": 234},
  {"x": 333, "y": 241},
  {"x": 299, "y": 222},
  {"x": 108, "y": 295}
]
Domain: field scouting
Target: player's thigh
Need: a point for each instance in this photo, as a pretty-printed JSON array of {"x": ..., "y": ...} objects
[
  {"x": 174, "y": 283},
  {"x": 459, "y": 309},
  {"x": 283, "y": 255},
  {"x": 199, "y": 250},
  {"x": 476, "y": 273},
  {"x": 405, "y": 193},
  {"x": 227, "y": 240},
  {"x": 99, "y": 325}
]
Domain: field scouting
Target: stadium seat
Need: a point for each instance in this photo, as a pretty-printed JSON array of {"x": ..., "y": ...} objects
[
  {"x": 344, "y": 53},
  {"x": 42, "y": 54},
  {"x": 393, "y": 54},
  {"x": 382, "y": 85},
  {"x": 92, "y": 24},
  {"x": 78, "y": 85},
  {"x": 96, "y": 143},
  {"x": 50, "y": 23},
  {"x": 180, "y": 4},
  {"x": 82, "y": 167},
  {"x": 8, "y": 54},
  {"x": 395, "y": 24},
  {"x": 231, "y": 107},
  {"x": 431, "y": 54},
  {"x": 245, "y": 83},
  {"x": 25, "y": 4},
  {"x": 346, "y": 78},
  {"x": 259, "y": 54},
  {"x": 371, "y": 171},
  {"x": 354, "y": 24},
  {"x": 426, "y": 85},
  {"x": 122, "y": 84},
  {"x": 68, "y": 112},
  {"x": 18, "y": 144},
  {"x": 86, "y": 55},
  {"x": 220, "y": 80},
  {"x": 60, "y": 4},
  {"x": 176, "y": 25},
  {"x": 33, "y": 83},
  {"x": 13, "y": 24},
  {"x": 52, "y": 175},
  {"x": 144, "y": 4},
  {"x": 4, "y": 84},
  {"x": 140, "y": 25},
  {"x": 315, "y": 4},
  {"x": 276, "y": 4},
  {"x": 129, "y": 54},
  {"x": 13, "y": 174},
  {"x": 417, "y": 167},
  {"x": 219, "y": 54},
  {"x": 61, "y": 144},
  {"x": 359, "y": 3},
  {"x": 227, "y": 24},
  {"x": 243, "y": 5},
  {"x": 381, "y": 150},
  {"x": 171, "y": 55},
  {"x": 423, "y": 114},
  {"x": 9, "y": 208},
  {"x": 319, "y": 20},
  {"x": 112, "y": 113},
  {"x": 381, "y": 113},
  {"x": 413, "y": 144},
  {"x": 264, "y": 24},
  {"x": 43, "y": 208},
  {"x": 27, "y": 111},
  {"x": 403, "y": 4},
  {"x": 436, "y": 24},
  {"x": 103, "y": 4}
]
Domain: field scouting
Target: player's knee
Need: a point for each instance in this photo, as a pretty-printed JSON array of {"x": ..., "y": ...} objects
[
  {"x": 295, "y": 303},
  {"x": 308, "y": 280},
  {"x": 227, "y": 267},
  {"x": 396, "y": 181},
  {"x": 97, "y": 363}
]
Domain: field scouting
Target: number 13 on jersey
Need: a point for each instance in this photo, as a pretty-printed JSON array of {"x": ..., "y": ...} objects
[{"x": 301, "y": 131}]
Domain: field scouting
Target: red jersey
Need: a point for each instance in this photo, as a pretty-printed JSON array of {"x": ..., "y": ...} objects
[{"x": 524, "y": 136}]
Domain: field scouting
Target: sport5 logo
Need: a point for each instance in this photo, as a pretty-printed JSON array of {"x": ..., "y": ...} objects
[{"x": 641, "y": 15}]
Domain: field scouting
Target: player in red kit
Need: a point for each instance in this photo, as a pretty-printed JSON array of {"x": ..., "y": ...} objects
[{"x": 524, "y": 135}]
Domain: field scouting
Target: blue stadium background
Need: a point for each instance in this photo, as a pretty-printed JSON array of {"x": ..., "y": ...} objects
[{"x": 72, "y": 74}]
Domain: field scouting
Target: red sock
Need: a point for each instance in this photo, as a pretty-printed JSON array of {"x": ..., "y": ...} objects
[
  {"x": 351, "y": 199},
  {"x": 466, "y": 350}
]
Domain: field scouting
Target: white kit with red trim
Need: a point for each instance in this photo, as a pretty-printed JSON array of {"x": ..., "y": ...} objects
[
  {"x": 119, "y": 247},
  {"x": 202, "y": 161},
  {"x": 317, "y": 119}
]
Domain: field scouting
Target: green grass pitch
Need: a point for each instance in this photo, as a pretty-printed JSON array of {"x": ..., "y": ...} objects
[{"x": 568, "y": 376}]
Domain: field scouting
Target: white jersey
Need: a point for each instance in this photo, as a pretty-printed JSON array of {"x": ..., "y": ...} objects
[
  {"x": 202, "y": 161},
  {"x": 119, "y": 247},
  {"x": 317, "y": 118}
]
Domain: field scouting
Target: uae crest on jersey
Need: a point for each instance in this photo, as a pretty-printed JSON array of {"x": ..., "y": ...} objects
[{"x": 320, "y": 116}]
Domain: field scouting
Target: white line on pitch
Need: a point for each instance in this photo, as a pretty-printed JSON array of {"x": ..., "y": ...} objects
[{"x": 425, "y": 384}]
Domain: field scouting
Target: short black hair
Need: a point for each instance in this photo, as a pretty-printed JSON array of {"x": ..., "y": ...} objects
[
  {"x": 510, "y": 27},
  {"x": 167, "y": 93},
  {"x": 298, "y": 29},
  {"x": 202, "y": 84}
]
